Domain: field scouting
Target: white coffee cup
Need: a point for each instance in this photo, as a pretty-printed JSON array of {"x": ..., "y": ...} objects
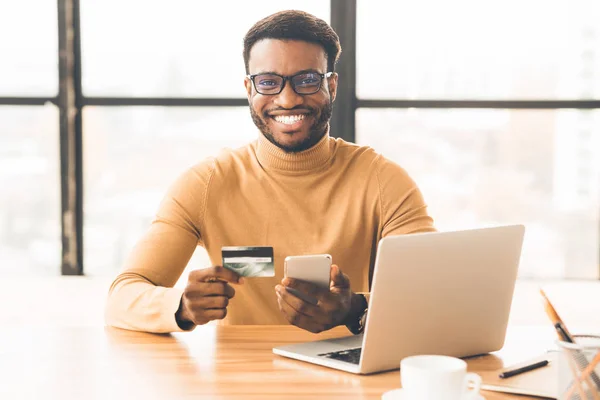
[{"x": 430, "y": 377}]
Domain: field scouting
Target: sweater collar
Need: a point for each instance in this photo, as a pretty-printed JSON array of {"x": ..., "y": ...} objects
[{"x": 272, "y": 157}]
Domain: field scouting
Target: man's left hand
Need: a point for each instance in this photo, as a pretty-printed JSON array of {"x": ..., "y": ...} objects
[{"x": 331, "y": 309}]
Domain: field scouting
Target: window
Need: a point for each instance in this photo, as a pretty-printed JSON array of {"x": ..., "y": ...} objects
[
  {"x": 30, "y": 228},
  {"x": 469, "y": 162},
  {"x": 186, "y": 49},
  {"x": 487, "y": 167},
  {"x": 492, "y": 166},
  {"x": 435, "y": 49},
  {"x": 131, "y": 156},
  {"x": 29, "y": 48}
]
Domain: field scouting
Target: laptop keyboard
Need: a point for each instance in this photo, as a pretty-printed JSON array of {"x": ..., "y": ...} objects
[{"x": 351, "y": 356}]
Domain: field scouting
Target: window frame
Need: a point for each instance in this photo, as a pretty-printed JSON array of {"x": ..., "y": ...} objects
[{"x": 71, "y": 101}]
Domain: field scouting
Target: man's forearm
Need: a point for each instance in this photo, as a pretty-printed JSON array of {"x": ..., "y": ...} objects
[{"x": 135, "y": 304}]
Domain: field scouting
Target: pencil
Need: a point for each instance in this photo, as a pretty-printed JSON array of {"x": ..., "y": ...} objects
[
  {"x": 561, "y": 329},
  {"x": 565, "y": 335},
  {"x": 585, "y": 374}
]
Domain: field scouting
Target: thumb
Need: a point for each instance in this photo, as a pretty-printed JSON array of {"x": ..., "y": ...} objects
[{"x": 338, "y": 278}]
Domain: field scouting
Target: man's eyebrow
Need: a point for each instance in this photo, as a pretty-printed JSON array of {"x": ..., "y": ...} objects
[
  {"x": 304, "y": 71},
  {"x": 265, "y": 73}
]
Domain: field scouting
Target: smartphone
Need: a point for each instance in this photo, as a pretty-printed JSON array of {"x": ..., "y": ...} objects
[{"x": 314, "y": 268}]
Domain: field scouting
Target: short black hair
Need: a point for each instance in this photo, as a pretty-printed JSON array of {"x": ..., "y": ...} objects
[{"x": 295, "y": 25}]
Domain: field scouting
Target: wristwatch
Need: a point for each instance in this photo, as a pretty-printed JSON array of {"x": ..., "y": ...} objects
[{"x": 356, "y": 323}]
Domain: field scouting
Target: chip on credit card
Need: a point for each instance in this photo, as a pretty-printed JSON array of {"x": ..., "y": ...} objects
[{"x": 249, "y": 261}]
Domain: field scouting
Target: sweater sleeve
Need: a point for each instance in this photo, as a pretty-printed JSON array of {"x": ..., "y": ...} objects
[
  {"x": 142, "y": 296},
  {"x": 403, "y": 208}
]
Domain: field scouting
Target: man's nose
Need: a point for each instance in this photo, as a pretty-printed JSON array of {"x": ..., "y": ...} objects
[{"x": 288, "y": 98}]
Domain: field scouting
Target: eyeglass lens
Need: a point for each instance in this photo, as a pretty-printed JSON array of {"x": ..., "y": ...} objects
[{"x": 305, "y": 83}]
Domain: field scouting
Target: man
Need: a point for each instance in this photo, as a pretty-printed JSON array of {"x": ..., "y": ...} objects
[{"x": 296, "y": 189}]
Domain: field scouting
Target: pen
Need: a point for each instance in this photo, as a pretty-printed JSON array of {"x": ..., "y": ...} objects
[
  {"x": 562, "y": 333},
  {"x": 517, "y": 371}
]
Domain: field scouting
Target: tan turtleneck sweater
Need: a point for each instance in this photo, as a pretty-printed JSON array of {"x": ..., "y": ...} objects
[{"x": 336, "y": 197}]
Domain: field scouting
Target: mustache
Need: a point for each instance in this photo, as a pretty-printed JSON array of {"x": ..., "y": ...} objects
[{"x": 303, "y": 108}]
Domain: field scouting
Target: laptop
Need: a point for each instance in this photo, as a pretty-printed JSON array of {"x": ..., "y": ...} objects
[{"x": 446, "y": 293}]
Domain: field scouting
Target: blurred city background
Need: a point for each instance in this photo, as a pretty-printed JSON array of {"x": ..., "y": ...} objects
[{"x": 476, "y": 167}]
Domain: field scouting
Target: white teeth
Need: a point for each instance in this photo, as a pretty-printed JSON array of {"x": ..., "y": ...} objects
[{"x": 289, "y": 119}]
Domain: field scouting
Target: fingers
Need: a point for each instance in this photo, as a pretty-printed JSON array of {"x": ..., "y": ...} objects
[
  {"x": 201, "y": 310},
  {"x": 332, "y": 306},
  {"x": 229, "y": 291},
  {"x": 216, "y": 313},
  {"x": 202, "y": 316},
  {"x": 212, "y": 302},
  {"x": 318, "y": 313},
  {"x": 207, "y": 294},
  {"x": 298, "y": 318},
  {"x": 338, "y": 278},
  {"x": 297, "y": 293},
  {"x": 302, "y": 286},
  {"x": 297, "y": 303},
  {"x": 215, "y": 273},
  {"x": 340, "y": 283},
  {"x": 201, "y": 289}
]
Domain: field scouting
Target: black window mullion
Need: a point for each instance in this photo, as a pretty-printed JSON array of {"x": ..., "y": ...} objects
[
  {"x": 69, "y": 103},
  {"x": 164, "y": 101},
  {"x": 343, "y": 21},
  {"x": 497, "y": 104},
  {"x": 27, "y": 101}
]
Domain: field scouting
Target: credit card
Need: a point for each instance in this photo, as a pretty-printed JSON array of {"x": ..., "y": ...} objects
[{"x": 249, "y": 261}]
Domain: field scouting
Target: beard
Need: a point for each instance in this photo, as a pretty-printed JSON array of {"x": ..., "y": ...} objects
[{"x": 315, "y": 133}]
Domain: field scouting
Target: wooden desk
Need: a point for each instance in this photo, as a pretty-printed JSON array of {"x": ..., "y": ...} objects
[{"x": 212, "y": 362}]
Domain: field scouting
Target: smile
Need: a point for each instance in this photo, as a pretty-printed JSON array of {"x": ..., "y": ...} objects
[{"x": 289, "y": 119}]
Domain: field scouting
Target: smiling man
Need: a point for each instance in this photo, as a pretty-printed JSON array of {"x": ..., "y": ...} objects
[
  {"x": 297, "y": 118},
  {"x": 295, "y": 189}
]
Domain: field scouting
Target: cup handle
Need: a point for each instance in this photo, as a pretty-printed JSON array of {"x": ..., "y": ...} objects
[{"x": 475, "y": 381}]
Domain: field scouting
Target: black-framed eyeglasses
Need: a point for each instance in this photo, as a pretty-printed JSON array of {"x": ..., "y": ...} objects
[{"x": 302, "y": 83}]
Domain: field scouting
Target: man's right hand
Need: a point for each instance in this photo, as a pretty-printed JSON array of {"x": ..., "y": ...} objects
[{"x": 206, "y": 296}]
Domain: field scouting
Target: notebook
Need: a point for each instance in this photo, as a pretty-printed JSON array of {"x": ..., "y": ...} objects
[{"x": 541, "y": 382}]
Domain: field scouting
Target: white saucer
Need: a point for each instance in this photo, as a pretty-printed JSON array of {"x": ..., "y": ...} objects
[{"x": 396, "y": 394}]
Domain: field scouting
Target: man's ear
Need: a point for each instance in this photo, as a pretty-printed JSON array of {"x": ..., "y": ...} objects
[
  {"x": 248, "y": 85},
  {"x": 332, "y": 82}
]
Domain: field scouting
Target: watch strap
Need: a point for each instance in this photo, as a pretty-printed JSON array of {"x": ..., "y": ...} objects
[{"x": 355, "y": 322}]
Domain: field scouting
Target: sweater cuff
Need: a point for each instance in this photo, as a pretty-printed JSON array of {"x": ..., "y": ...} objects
[
  {"x": 367, "y": 296},
  {"x": 172, "y": 301}
]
